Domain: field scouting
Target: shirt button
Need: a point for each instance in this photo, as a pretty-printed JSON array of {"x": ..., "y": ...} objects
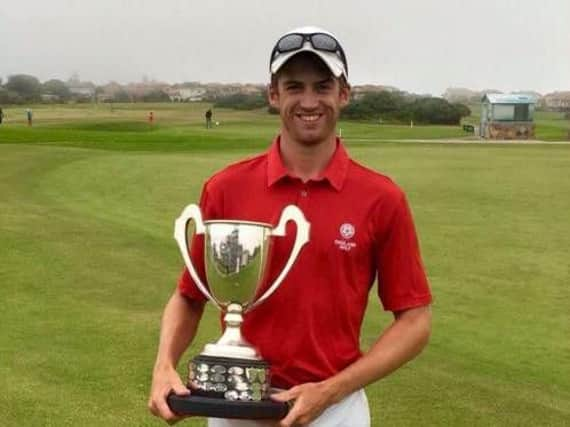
[{"x": 304, "y": 193}]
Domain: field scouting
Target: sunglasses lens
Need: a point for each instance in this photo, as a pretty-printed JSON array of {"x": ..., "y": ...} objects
[
  {"x": 324, "y": 42},
  {"x": 290, "y": 42},
  {"x": 319, "y": 41}
]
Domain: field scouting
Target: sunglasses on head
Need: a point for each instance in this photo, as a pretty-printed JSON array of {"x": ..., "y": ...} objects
[{"x": 319, "y": 41}]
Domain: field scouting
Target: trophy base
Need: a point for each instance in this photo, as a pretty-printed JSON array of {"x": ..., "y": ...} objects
[
  {"x": 229, "y": 378},
  {"x": 220, "y": 408}
]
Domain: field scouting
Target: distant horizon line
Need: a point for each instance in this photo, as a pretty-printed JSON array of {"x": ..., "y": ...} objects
[{"x": 97, "y": 82}]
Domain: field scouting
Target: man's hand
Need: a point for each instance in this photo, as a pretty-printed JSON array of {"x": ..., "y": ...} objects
[
  {"x": 165, "y": 381},
  {"x": 309, "y": 401}
]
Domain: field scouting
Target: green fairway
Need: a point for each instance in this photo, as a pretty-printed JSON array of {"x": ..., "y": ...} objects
[{"x": 88, "y": 198}]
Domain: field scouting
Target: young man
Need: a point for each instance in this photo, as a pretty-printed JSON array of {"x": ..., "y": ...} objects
[{"x": 361, "y": 227}]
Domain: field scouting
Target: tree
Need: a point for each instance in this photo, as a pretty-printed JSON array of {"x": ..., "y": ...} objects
[
  {"x": 26, "y": 86},
  {"x": 9, "y": 97},
  {"x": 242, "y": 101},
  {"x": 56, "y": 87},
  {"x": 373, "y": 106},
  {"x": 121, "y": 95},
  {"x": 399, "y": 108},
  {"x": 435, "y": 111},
  {"x": 155, "y": 95},
  {"x": 463, "y": 109}
]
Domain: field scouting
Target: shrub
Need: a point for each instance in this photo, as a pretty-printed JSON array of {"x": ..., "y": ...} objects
[
  {"x": 240, "y": 101},
  {"x": 399, "y": 108}
]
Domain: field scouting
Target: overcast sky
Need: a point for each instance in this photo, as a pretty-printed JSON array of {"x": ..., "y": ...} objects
[{"x": 422, "y": 46}]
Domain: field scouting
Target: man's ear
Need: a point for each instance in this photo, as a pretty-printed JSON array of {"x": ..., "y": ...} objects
[
  {"x": 344, "y": 95},
  {"x": 273, "y": 95}
]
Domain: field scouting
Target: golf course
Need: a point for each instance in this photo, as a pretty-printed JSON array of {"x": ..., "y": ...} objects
[{"x": 88, "y": 199}]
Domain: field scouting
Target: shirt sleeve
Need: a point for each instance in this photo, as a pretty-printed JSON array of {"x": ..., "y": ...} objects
[
  {"x": 186, "y": 285},
  {"x": 402, "y": 281}
]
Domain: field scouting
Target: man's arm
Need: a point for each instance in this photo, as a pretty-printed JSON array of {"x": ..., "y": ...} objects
[
  {"x": 179, "y": 323},
  {"x": 403, "y": 340}
]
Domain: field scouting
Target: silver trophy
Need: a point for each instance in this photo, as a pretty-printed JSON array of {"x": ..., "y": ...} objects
[{"x": 229, "y": 379}]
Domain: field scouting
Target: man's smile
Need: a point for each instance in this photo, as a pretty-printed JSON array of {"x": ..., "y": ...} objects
[{"x": 309, "y": 118}]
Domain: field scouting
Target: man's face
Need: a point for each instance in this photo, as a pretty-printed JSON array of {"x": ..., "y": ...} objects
[{"x": 309, "y": 99}]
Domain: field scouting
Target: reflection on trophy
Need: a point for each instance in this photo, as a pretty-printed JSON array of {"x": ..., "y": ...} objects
[{"x": 229, "y": 379}]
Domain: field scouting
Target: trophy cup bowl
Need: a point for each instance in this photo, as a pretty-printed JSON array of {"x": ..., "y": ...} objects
[{"x": 229, "y": 379}]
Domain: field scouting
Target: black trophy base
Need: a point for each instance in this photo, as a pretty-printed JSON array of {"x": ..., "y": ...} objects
[{"x": 221, "y": 408}]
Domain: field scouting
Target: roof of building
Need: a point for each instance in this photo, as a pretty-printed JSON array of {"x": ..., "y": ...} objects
[{"x": 510, "y": 98}]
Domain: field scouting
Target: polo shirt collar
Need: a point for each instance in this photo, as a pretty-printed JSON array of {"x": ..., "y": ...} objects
[{"x": 335, "y": 172}]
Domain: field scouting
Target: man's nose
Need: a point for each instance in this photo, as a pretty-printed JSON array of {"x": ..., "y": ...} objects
[{"x": 309, "y": 100}]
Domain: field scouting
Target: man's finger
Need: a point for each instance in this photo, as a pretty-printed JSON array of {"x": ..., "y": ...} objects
[
  {"x": 152, "y": 408},
  {"x": 180, "y": 390},
  {"x": 164, "y": 410},
  {"x": 284, "y": 396},
  {"x": 281, "y": 397},
  {"x": 290, "y": 419}
]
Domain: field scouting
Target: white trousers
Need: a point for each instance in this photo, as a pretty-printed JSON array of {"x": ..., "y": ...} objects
[{"x": 352, "y": 411}]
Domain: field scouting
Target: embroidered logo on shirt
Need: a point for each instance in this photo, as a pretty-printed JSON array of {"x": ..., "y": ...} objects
[{"x": 347, "y": 232}]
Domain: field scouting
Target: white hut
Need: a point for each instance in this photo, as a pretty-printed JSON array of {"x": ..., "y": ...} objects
[{"x": 507, "y": 116}]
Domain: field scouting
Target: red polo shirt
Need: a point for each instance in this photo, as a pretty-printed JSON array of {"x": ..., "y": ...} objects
[{"x": 361, "y": 228}]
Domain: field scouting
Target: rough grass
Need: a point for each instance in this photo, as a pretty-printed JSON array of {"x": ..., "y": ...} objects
[{"x": 88, "y": 261}]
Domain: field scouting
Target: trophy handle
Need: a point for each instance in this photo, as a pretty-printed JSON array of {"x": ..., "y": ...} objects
[
  {"x": 191, "y": 211},
  {"x": 290, "y": 213}
]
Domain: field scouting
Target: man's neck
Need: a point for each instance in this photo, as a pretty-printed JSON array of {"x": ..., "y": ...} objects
[{"x": 306, "y": 161}]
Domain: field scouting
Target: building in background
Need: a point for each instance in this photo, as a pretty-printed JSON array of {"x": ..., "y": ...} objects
[
  {"x": 556, "y": 101},
  {"x": 507, "y": 116}
]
